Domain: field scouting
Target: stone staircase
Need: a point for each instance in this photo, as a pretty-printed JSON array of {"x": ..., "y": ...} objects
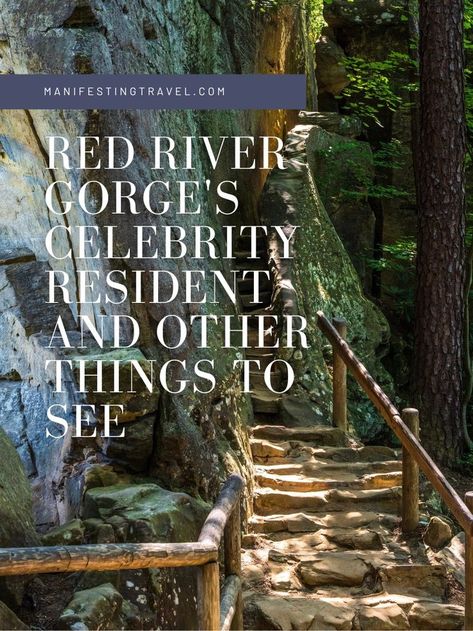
[
  {"x": 264, "y": 401},
  {"x": 325, "y": 550}
]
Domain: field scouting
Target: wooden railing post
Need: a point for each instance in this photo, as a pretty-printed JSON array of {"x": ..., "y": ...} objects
[
  {"x": 339, "y": 380},
  {"x": 469, "y": 570},
  {"x": 232, "y": 552},
  {"x": 410, "y": 477},
  {"x": 209, "y": 597}
]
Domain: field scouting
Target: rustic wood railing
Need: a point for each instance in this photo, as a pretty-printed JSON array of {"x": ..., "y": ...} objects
[
  {"x": 406, "y": 428},
  {"x": 216, "y": 611}
]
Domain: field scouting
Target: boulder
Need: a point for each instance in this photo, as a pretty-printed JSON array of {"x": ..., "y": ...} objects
[
  {"x": 148, "y": 513},
  {"x": 16, "y": 515},
  {"x": 152, "y": 513},
  {"x": 438, "y": 533},
  {"x": 342, "y": 124},
  {"x": 101, "y": 607},
  {"x": 331, "y": 73},
  {"x": 296, "y": 411},
  {"x": 68, "y": 534}
]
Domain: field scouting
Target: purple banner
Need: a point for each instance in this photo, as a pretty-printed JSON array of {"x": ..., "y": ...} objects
[{"x": 195, "y": 92}]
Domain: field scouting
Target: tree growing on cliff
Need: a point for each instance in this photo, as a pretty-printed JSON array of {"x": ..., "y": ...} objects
[{"x": 440, "y": 295}]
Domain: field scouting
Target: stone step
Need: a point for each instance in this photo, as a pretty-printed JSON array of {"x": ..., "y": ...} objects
[
  {"x": 310, "y": 522},
  {"x": 246, "y": 285},
  {"x": 257, "y": 380},
  {"x": 265, "y": 402},
  {"x": 385, "y": 611},
  {"x": 347, "y": 480},
  {"x": 378, "y": 571},
  {"x": 269, "y": 501},
  {"x": 330, "y": 436},
  {"x": 325, "y": 539},
  {"x": 313, "y": 468},
  {"x": 247, "y": 300},
  {"x": 296, "y": 452}
]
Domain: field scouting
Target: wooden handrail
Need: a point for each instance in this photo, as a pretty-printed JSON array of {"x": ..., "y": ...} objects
[
  {"x": 134, "y": 556},
  {"x": 393, "y": 418},
  {"x": 224, "y": 522},
  {"x": 214, "y": 525},
  {"x": 413, "y": 452},
  {"x": 101, "y": 557}
]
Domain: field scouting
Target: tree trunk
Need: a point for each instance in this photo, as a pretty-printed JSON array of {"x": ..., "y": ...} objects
[{"x": 441, "y": 229}]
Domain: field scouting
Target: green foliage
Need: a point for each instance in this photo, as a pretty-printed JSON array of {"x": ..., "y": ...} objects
[
  {"x": 388, "y": 155},
  {"x": 372, "y": 85},
  {"x": 467, "y": 463},
  {"x": 399, "y": 258}
]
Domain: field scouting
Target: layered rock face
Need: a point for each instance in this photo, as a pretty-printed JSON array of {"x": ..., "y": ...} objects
[
  {"x": 16, "y": 526},
  {"x": 191, "y": 439},
  {"x": 185, "y": 442}
]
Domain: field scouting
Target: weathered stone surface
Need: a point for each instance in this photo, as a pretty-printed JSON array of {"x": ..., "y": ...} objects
[
  {"x": 195, "y": 442},
  {"x": 431, "y": 615},
  {"x": 381, "y": 617},
  {"x": 13, "y": 421},
  {"x": 415, "y": 579},
  {"x": 101, "y": 607},
  {"x": 309, "y": 281},
  {"x": 341, "y": 124},
  {"x": 295, "y": 410},
  {"x": 438, "y": 533},
  {"x": 16, "y": 516},
  {"x": 453, "y": 556},
  {"x": 272, "y": 612},
  {"x": 66, "y": 535},
  {"x": 334, "y": 569},
  {"x": 9, "y": 620},
  {"x": 331, "y": 72},
  {"x": 11, "y": 255},
  {"x": 16, "y": 519},
  {"x": 153, "y": 514},
  {"x": 135, "y": 451},
  {"x": 135, "y": 397}
]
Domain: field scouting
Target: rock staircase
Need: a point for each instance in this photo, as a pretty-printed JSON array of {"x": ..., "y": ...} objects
[
  {"x": 325, "y": 550},
  {"x": 264, "y": 401}
]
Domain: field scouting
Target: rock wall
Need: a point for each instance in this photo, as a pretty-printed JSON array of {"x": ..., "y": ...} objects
[
  {"x": 194, "y": 441},
  {"x": 319, "y": 276}
]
